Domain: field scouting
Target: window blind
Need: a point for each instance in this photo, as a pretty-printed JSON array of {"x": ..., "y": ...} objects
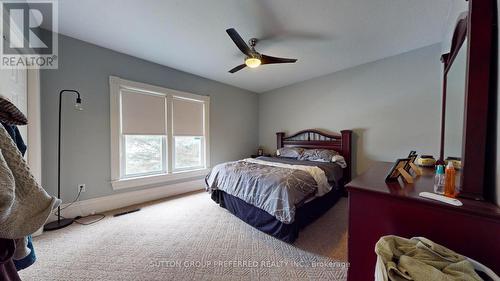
[
  {"x": 187, "y": 117},
  {"x": 142, "y": 113}
]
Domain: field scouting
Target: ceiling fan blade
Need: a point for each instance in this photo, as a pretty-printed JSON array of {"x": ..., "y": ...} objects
[
  {"x": 238, "y": 68},
  {"x": 269, "y": 60},
  {"x": 240, "y": 43}
]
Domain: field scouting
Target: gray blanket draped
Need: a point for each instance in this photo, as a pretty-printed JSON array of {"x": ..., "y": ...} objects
[{"x": 278, "y": 191}]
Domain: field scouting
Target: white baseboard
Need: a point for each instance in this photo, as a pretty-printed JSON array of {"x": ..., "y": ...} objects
[{"x": 120, "y": 200}]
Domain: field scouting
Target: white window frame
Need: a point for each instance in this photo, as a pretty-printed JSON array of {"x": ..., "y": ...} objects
[
  {"x": 118, "y": 181},
  {"x": 174, "y": 169}
]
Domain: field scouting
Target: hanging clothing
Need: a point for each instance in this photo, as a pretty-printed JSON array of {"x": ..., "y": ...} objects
[
  {"x": 8, "y": 271},
  {"x": 10, "y": 114},
  {"x": 15, "y": 135},
  {"x": 24, "y": 255},
  {"x": 25, "y": 206},
  {"x": 26, "y": 261}
]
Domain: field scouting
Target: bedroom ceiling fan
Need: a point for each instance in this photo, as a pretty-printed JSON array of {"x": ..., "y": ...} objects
[{"x": 253, "y": 58}]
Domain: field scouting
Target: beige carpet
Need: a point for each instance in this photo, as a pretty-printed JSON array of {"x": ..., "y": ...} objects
[{"x": 190, "y": 238}]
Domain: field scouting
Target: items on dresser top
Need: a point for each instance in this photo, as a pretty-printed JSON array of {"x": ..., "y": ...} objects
[
  {"x": 378, "y": 208},
  {"x": 398, "y": 169},
  {"x": 404, "y": 167},
  {"x": 413, "y": 157},
  {"x": 444, "y": 199},
  {"x": 439, "y": 180},
  {"x": 456, "y": 161},
  {"x": 449, "y": 181},
  {"x": 426, "y": 161}
]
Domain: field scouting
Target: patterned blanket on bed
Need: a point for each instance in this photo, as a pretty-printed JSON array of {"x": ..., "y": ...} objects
[{"x": 274, "y": 189}]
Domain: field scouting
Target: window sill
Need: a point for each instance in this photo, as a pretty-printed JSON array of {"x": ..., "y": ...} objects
[{"x": 156, "y": 179}]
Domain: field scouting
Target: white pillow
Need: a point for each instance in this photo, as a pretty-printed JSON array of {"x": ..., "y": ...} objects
[
  {"x": 339, "y": 159},
  {"x": 290, "y": 152}
]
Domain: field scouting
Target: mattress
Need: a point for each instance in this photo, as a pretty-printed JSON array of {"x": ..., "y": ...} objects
[
  {"x": 275, "y": 187},
  {"x": 256, "y": 181}
]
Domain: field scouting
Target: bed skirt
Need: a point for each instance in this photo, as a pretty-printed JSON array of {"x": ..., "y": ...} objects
[{"x": 266, "y": 223}]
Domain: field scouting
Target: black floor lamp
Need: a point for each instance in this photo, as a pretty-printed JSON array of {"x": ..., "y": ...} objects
[{"x": 60, "y": 223}]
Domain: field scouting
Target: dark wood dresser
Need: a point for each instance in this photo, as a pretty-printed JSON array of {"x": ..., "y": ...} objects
[{"x": 377, "y": 208}]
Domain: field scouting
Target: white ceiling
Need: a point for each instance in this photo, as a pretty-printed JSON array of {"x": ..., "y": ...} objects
[{"x": 324, "y": 35}]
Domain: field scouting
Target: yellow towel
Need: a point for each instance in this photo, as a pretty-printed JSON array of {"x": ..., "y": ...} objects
[{"x": 420, "y": 259}]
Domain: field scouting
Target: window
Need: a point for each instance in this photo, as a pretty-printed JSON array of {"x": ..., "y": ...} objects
[
  {"x": 188, "y": 152},
  {"x": 188, "y": 128},
  {"x": 143, "y": 155},
  {"x": 157, "y": 134}
]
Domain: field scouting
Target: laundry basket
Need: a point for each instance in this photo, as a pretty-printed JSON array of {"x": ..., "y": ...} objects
[{"x": 420, "y": 259}]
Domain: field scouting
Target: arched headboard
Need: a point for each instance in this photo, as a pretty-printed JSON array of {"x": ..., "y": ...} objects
[{"x": 313, "y": 138}]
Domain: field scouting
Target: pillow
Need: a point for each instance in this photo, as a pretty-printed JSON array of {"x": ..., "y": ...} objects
[
  {"x": 339, "y": 159},
  {"x": 290, "y": 152},
  {"x": 320, "y": 155}
]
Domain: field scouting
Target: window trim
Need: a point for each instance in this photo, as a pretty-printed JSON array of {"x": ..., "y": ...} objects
[{"x": 116, "y": 85}]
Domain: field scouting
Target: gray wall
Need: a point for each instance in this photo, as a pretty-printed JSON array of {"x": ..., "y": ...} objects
[
  {"x": 86, "y": 137},
  {"x": 393, "y": 106}
]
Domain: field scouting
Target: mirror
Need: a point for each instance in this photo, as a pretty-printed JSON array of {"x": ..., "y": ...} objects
[
  {"x": 455, "y": 103},
  {"x": 467, "y": 78}
]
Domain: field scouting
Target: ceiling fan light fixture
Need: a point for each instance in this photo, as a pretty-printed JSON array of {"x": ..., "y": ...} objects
[
  {"x": 252, "y": 62},
  {"x": 253, "y": 58}
]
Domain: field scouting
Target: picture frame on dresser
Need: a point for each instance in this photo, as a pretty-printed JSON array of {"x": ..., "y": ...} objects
[
  {"x": 413, "y": 158},
  {"x": 395, "y": 171}
]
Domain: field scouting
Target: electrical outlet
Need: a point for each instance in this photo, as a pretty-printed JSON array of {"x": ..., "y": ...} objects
[{"x": 82, "y": 188}]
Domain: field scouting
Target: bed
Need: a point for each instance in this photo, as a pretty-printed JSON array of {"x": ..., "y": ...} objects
[{"x": 280, "y": 196}]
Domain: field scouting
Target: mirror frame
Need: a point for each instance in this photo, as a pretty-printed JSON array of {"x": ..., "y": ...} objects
[
  {"x": 477, "y": 26},
  {"x": 459, "y": 36}
]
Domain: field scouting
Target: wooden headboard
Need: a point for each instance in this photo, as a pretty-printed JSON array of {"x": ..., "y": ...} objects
[{"x": 312, "y": 138}]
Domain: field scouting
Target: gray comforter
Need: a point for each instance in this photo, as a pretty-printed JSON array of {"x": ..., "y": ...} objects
[{"x": 278, "y": 191}]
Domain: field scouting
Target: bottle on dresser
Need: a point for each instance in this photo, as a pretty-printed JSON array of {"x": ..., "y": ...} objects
[
  {"x": 439, "y": 180},
  {"x": 449, "y": 178}
]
